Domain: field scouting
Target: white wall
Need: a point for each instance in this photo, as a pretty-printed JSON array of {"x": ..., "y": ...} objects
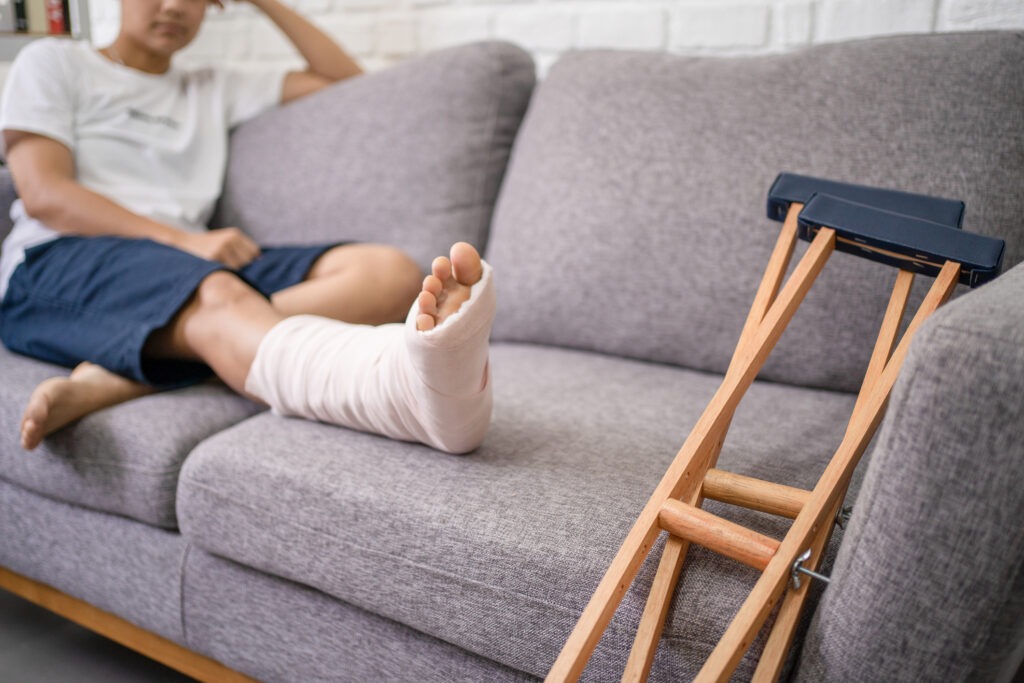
[{"x": 382, "y": 32}]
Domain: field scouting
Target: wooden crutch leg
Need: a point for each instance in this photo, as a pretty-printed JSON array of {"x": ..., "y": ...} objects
[
  {"x": 773, "y": 656},
  {"x": 652, "y": 622},
  {"x": 685, "y": 474},
  {"x": 824, "y": 498}
]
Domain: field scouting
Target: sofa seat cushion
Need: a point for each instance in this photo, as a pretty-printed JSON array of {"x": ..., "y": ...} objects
[
  {"x": 278, "y": 631},
  {"x": 499, "y": 551},
  {"x": 116, "y": 564},
  {"x": 123, "y": 460}
]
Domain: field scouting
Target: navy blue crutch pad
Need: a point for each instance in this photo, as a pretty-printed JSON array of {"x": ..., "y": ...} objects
[
  {"x": 790, "y": 187},
  {"x": 900, "y": 240}
]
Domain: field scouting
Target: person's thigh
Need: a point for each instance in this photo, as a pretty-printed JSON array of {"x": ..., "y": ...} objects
[
  {"x": 357, "y": 283},
  {"x": 278, "y": 268}
]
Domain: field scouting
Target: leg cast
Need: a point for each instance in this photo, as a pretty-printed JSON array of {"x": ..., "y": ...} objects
[{"x": 427, "y": 385}]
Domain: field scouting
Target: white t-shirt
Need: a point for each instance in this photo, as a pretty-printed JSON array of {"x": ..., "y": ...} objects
[{"x": 155, "y": 144}]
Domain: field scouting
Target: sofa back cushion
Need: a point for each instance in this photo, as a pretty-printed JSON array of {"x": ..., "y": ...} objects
[
  {"x": 7, "y": 196},
  {"x": 411, "y": 156},
  {"x": 632, "y": 220}
]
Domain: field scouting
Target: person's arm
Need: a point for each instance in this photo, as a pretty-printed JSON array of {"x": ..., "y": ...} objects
[
  {"x": 44, "y": 175},
  {"x": 327, "y": 61}
]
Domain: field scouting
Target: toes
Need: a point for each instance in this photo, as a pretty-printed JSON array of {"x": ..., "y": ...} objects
[
  {"x": 427, "y": 303},
  {"x": 466, "y": 264},
  {"x": 448, "y": 285},
  {"x": 30, "y": 435},
  {"x": 424, "y": 322},
  {"x": 441, "y": 268},
  {"x": 432, "y": 284}
]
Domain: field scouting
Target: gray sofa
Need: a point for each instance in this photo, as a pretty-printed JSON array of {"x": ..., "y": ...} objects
[{"x": 621, "y": 202}]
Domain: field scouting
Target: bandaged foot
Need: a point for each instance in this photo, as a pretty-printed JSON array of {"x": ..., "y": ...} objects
[{"x": 426, "y": 380}]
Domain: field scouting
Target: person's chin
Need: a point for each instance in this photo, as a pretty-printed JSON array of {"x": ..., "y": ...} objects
[{"x": 168, "y": 45}]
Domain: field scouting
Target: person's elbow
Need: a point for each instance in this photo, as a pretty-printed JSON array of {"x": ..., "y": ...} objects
[
  {"x": 44, "y": 196},
  {"x": 42, "y": 201},
  {"x": 41, "y": 169}
]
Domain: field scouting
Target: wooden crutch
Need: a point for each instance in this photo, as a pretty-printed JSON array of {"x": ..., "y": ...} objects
[{"x": 912, "y": 232}]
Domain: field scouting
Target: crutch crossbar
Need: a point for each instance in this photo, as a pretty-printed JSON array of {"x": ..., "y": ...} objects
[
  {"x": 715, "y": 533},
  {"x": 754, "y": 494}
]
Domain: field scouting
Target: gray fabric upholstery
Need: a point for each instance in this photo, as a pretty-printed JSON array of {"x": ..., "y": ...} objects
[
  {"x": 7, "y": 196},
  {"x": 930, "y": 582},
  {"x": 130, "y": 569},
  {"x": 275, "y": 630},
  {"x": 123, "y": 459},
  {"x": 498, "y": 552},
  {"x": 632, "y": 218},
  {"x": 412, "y": 156}
]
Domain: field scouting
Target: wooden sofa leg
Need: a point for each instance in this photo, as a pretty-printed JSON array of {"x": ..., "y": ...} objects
[{"x": 117, "y": 629}]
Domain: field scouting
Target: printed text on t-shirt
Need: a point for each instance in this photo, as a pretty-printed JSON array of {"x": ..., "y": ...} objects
[{"x": 150, "y": 118}]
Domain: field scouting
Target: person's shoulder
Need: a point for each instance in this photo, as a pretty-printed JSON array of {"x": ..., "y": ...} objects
[
  {"x": 51, "y": 46},
  {"x": 51, "y": 51}
]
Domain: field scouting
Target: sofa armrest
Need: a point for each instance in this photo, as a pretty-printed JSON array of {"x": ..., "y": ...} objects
[
  {"x": 928, "y": 583},
  {"x": 7, "y": 196}
]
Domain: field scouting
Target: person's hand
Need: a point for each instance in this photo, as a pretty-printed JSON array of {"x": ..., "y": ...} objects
[{"x": 229, "y": 246}]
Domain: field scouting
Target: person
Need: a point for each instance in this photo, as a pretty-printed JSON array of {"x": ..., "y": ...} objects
[{"x": 118, "y": 157}]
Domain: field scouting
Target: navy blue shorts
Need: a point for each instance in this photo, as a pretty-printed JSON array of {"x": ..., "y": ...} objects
[{"x": 99, "y": 299}]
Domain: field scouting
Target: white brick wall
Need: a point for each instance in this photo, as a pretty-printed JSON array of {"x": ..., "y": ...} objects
[
  {"x": 855, "y": 18},
  {"x": 721, "y": 26},
  {"x": 382, "y": 32}
]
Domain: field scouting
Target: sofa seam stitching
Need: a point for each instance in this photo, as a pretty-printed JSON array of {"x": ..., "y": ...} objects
[
  {"x": 181, "y": 594},
  {"x": 951, "y": 327}
]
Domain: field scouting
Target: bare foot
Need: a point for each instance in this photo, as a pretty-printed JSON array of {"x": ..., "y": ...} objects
[
  {"x": 448, "y": 285},
  {"x": 60, "y": 400}
]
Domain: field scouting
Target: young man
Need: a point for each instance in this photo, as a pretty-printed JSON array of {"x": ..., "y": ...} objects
[{"x": 118, "y": 157}]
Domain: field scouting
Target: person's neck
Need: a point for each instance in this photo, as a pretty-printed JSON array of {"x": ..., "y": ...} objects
[{"x": 127, "y": 54}]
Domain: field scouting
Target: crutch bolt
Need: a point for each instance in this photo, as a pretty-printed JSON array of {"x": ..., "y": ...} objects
[
  {"x": 843, "y": 516},
  {"x": 799, "y": 568}
]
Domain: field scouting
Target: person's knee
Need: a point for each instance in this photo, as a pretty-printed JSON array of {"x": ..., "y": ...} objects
[
  {"x": 403, "y": 280},
  {"x": 373, "y": 259},
  {"x": 404, "y": 272},
  {"x": 393, "y": 271},
  {"x": 221, "y": 289}
]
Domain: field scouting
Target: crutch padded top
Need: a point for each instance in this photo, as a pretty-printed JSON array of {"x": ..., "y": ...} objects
[
  {"x": 790, "y": 187},
  {"x": 900, "y": 240}
]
